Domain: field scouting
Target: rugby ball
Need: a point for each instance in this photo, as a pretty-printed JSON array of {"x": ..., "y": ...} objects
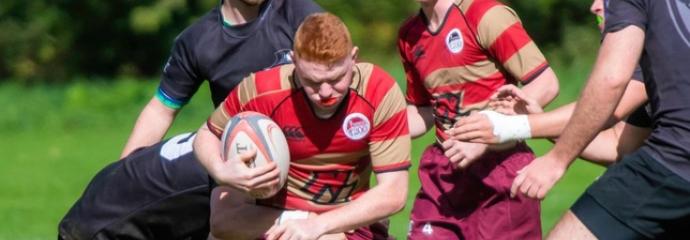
[{"x": 253, "y": 130}]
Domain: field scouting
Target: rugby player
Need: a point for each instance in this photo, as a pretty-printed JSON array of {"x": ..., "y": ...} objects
[
  {"x": 157, "y": 192},
  {"x": 490, "y": 127},
  {"x": 455, "y": 55},
  {"x": 348, "y": 119},
  {"x": 227, "y": 44},
  {"x": 646, "y": 195}
]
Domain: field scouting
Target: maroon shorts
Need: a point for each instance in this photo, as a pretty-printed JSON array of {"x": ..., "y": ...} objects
[
  {"x": 474, "y": 203},
  {"x": 376, "y": 231}
]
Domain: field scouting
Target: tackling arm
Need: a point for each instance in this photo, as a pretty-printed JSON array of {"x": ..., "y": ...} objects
[
  {"x": 151, "y": 125},
  {"x": 611, "y": 144},
  {"x": 383, "y": 200}
]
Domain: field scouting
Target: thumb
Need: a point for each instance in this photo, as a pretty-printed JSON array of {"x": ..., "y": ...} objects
[{"x": 248, "y": 156}]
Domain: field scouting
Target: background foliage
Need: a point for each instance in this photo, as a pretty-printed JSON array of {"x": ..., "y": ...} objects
[
  {"x": 60, "y": 40},
  {"x": 75, "y": 73}
]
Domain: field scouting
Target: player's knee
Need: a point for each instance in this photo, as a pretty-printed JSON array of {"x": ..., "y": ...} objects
[
  {"x": 570, "y": 227},
  {"x": 224, "y": 228}
]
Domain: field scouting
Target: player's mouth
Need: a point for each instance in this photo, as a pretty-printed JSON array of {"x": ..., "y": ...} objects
[{"x": 328, "y": 102}]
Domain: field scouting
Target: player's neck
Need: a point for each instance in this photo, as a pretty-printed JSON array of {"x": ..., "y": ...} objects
[
  {"x": 435, "y": 13},
  {"x": 237, "y": 12}
]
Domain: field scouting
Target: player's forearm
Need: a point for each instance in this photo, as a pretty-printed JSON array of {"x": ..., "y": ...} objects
[
  {"x": 550, "y": 124},
  {"x": 635, "y": 95},
  {"x": 593, "y": 110},
  {"x": 151, "y": 125},
  {"x": 419, "y": 120},
  {"x": 544, "y": 88},
  {"x": 603, "y": 148},
  {"x": 234, "y": 215},
  {"x": 381, "y": 201},
  {"x": 615, "y": 64},
  {"x": 207, "y": 151}
]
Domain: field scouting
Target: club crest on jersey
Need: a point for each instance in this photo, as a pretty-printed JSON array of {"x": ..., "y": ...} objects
[
  {"x": 356, "y": 126},
  {"x": 454, "y": 41}
]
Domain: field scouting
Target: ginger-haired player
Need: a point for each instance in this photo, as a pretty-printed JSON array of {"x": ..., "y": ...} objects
[{"x": 349, "y": 120}]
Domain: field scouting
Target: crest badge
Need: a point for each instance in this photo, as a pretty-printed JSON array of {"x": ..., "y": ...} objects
[
  {"x": 454, "y": 41},
  {"x": 356, "y": 126}
]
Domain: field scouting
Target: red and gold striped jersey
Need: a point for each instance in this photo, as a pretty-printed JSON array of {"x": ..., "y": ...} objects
[
  {"x": 331, "y": 159},
  {"x": 480, "y": 46}
]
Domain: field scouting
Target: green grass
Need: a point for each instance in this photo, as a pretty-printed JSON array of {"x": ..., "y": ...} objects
[{"x": 55, "y": 138}]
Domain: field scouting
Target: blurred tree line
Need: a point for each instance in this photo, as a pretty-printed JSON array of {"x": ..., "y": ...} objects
[{"x": 60, "y": 40}]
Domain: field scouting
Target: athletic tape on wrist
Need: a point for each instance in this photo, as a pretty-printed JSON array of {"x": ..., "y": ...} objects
[
  {"x": 509, "y": 128},
  {"x": 292, "y": 214}
]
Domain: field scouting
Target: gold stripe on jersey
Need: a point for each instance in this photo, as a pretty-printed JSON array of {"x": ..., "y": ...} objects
[
  {"x": 527, "y": 59},
  {"x": 361, "y": 76},
  {"x": 247, "y": 89},
  {"x": 218, "y": 119},
  {"x": 463, "y": 4},
  {"x": 494, "y": 23},
  {"x": 392, "y": 103},
  {"x": 326, "y": 159},
  {"x": 286, "y": 76},
  {"x": 391, "y": 151},
  {"x": 461, "y": 74}
]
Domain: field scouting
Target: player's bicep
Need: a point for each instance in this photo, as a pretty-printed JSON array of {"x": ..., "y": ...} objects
[{"x": 390, "y": 139}]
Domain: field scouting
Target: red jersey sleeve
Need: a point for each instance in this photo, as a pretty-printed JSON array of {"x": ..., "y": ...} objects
[
  {"x": 416, "y": 93},
  {"x": 390, "y": 143},
  {"x": 500, "y": 32}
]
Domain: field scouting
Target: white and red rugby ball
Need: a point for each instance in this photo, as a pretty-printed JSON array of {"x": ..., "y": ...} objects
[{"x": 253, "y": 130}]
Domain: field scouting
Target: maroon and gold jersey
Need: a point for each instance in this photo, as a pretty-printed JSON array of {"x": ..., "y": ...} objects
[
  {"x": 331, "y": 159},
  {"x": 480, "y": 46}
]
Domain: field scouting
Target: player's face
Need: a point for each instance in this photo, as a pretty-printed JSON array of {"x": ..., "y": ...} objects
[
  {"x": 326, "y": 85},
  {"x": 597, "y": 9}
]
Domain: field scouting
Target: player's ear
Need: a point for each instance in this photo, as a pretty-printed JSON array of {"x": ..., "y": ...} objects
[{"x": 354, "y": 52}]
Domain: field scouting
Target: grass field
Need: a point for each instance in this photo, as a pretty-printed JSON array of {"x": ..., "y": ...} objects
[{"x": 53, "y": 139}]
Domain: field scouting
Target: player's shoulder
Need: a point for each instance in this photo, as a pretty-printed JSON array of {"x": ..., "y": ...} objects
[
  {"x": 412, "y": 26},
  {"x": 271, "y": 81},
  {"x": 373, "y": 82},
  {"x": 477, "y": 11}
]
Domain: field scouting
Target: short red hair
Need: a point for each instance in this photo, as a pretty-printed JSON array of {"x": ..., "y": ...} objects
[{"x": 322, "y": 38}]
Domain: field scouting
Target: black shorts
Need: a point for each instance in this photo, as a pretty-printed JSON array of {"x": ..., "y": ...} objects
[
  {"x": 637, "y": 198},
  {"x": 144, "y": 196}
]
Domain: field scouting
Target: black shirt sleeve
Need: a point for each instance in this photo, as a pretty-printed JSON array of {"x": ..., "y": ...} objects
[
  {"x": 300, "y": 9},
  {"x": 637, "y": 74},
  {"x": 623, "y": 13},
  {"x": 181, "y": 78},
  {"x": 640, "y": 118}
]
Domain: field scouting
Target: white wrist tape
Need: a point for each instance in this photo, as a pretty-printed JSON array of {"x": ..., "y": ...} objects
[
  {"x": 292, "y": 214},
  {"x": 508, "y": 128}
]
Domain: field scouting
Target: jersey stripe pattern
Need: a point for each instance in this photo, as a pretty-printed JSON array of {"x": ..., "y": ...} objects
[
  {"x": 480, "y": 46},
  {"x": 331, "y": 159}
]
